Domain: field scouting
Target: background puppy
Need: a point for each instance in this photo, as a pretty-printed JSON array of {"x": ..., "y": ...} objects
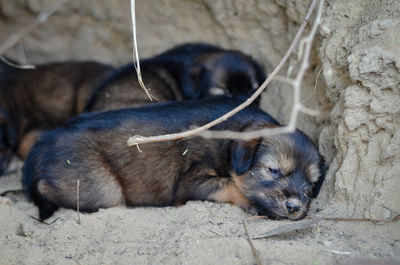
[
  {"x": 275, "y": 176},
  {"x": 33, "y": 100},
  {"x": 188, "y": 71}
]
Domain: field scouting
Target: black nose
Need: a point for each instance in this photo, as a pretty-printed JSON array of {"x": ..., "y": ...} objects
[{"x": 292, "y": 208}]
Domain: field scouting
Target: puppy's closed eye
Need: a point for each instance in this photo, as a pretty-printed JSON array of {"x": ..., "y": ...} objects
[{"x": 275, "y": 172}]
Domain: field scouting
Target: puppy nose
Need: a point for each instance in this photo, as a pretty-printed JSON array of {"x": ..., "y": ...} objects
[{"x": 292, "y": 208}]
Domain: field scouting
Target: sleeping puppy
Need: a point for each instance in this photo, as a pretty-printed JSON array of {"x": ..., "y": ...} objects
[
  {"x": 33, "y": 100},
  {"x": 188, "y": 71},
  {"x": 276, "y": 176}
]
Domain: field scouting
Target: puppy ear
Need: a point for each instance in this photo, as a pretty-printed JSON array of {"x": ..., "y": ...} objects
[
  {"x": 239, "y": 85},
  {"x": 243, "y": 155},
  {"x": 190, "y": 81},
  {"x": 318, "y": 184}
]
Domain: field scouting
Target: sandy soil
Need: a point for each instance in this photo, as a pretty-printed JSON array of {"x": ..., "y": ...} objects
[{"x": 196, "y": 233}]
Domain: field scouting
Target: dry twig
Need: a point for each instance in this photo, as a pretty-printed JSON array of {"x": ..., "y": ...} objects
[
  {"x": 340, "y": 219},
  {"x": 40, "y": 19},
  {"x": 253, "y": 249},
  {"x": 296, "y": 83},
  {"x": 256, "y": 217},
  {"x": 298, "y": 225},
  {"x": 338, "y": 252}
]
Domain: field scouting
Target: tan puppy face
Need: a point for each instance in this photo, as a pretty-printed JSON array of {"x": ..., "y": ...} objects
[{"x": 283, "y": 175}]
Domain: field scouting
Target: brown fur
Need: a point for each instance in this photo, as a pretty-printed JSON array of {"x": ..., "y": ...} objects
[
  {"x": 125, "y": 91},
  {"x": 230, "y": 194},
  {"x": 43, "y": 98},
  {"x": 28, "y": 140}
]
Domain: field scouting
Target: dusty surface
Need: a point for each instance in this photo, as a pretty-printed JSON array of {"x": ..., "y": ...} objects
[
  {"x": 361, "y": 55},
  {"x": 357, "y": 91},
  {"x": 196, "y": 233}
]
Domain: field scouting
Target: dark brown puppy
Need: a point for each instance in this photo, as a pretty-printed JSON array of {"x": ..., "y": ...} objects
[
  {"x": 276, "y": 176},
  {"x": 188, "y": 71},
  {"x": 33, "y": 100}
]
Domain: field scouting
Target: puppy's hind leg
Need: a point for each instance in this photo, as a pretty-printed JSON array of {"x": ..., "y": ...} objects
[
  {"x": 49, "y": 197},
  {"x": 39, "y": 192}
]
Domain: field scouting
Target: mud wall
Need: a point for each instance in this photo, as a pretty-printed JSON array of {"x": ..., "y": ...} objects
[
  {"x": 361, "y": 56},
  {"x": 353, "y": 78}
]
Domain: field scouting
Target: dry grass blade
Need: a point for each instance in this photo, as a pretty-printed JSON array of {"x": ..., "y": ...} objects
[
  {"x": 315, "y": 85},
  {"x": 77, "y": 200},
  {"x": 19, "y": 66},
  {"x": 43, "y": 222},
  {"x": 341, "y": 219},
  {"x": 257, "y": 217},
  {"x": 201, "y": 131},
  {"x": 136, "y": 61},
  {"x": 253, "y": 249},
  {"x": 298, "y": 225},
  {"x": 338, "y": 252}
]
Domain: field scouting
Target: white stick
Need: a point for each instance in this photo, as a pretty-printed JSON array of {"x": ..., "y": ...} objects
[{"x": 136, "y": 62}]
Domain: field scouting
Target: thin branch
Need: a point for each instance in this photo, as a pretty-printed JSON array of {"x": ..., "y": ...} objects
[
  {"x": 304, "y": 65},
  {"x": 316, "y": 84},
  {"x": 137, "y": 139},
  {"x": 298, "y": 225},
  {"x": 253, "y": 249},
  {"x": 136, "y": 62},
  {"x": 340, "y": 219},
  {"x": 257, "y": 217},
  {"x": 40, "y": 19}
]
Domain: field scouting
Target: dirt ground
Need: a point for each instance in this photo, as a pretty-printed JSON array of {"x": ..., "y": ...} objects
[{"x": 196, "y": 233}]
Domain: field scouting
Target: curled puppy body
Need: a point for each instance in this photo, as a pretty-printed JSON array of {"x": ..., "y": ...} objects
[
  {"x": 188, "y": 71},
  {"x": 33, "y": 100},
  {"x": 276, "y": 176}
]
